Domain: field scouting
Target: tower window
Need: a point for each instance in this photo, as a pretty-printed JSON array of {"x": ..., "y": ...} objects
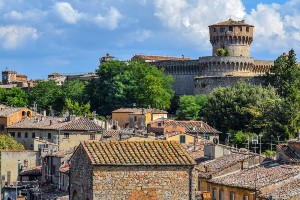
[
  {"x": 214, "y": 29},
  {"x": 221, "y": 30},
  {"x": 241, "y": 29},
  {"x": 247, "y": 29},
  {"x": 230, "y": 28}
]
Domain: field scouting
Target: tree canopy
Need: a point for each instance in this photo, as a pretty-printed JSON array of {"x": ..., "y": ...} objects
[
  {"x": 191, "y": 107},
  {"x": 123, "y": 84}
]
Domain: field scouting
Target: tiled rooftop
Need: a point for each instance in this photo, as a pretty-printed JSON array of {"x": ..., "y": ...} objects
[
  {"x": 137, "y": 153},
  {"x": 259, "y": 176},
  {"x": 206, "y": 169},
  {"x": 139, "y": 110},
  {"x": 159, "y": 58},
  {"x": 115, "y": 134},
  {"x": 284, "y": 190},
  {"x": 32, "y": 171},
  {"x": 190, "y": 126},
  {"x": 4, "y": 112},
  {"x": 81, "y": 123},
  {"x": 231, "y": 22}
]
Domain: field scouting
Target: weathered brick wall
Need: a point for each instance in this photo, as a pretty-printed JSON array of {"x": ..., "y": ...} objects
[
  {"x": 141, "y": 182},
  {"x": 81, "y": 179}
]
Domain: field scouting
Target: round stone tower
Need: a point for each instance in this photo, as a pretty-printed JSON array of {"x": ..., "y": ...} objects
[{"x": 235, "y": 37}]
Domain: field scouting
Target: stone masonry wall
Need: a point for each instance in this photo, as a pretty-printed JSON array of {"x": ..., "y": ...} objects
[
  {"x": 141, "y": 182},
  {"x": 81, "y": 179}
]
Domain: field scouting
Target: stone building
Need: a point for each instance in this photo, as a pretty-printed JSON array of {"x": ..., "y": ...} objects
[
  {"x": 131, "y": 170},
  {"x": 202, "y": 75}
]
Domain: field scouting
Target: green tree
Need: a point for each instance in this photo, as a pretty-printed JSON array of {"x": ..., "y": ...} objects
[
  {"x": 47, "y": 94},
  {"x": 77, "y": 108},
  {"x": 191, "y": 107},
  {"x": 15, "y": 97},
  {"x": 75, "y": 90},
  {"x": 238, "y": 107},
  {"x": 123, "y": 84},
  {"x": 241, "y": 138},
  {"x": 222, "y": 52}
]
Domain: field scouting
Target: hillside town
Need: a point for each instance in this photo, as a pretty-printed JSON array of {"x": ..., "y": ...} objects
[{"x": 117, "y": 134}]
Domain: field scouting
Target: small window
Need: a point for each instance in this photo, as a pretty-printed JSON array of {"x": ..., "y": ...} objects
[
  {"x": 221, "y": 195},
  {"x": 182, "y": 139},
  {"x": 135, "y": 118},
  {"x": 199, "y": 185},
  {"x": 26, "y": 135},
  {"x": 33, "y": 135},
  {"x": 221, "y": 30},
  {"x": 1, "y": 127},
  {"x": 66, "y": 135},
  {"x": 230, "y": 28},
  {"x": 246, "y": 197},
  {"x": 231, "y": 195},
  {"x": 247, "y": 29},
  {"x": 214, "y": 29},
  {"x": 241, "y": 29},
  {"x": 92, "y": 136},
  {"x": 49, "y": 135},
  {"x": 159, "y": 124},
  {"x": 208, "y": 187},
  {"x": 207, "y": 137},
  {"x": 214, "y": 194},
  {"x": 19, "y": 134},
  {"x": 12, "y": 134}
]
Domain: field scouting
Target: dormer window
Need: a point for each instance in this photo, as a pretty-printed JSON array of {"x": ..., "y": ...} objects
[{"x": 230, "y": 28}]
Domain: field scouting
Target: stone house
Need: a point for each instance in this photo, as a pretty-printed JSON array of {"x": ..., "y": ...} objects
[
  {"x": 164, "y": 126},
  {"x": 65, "y": 132},
  {"x": 258, "y": 180},
  {"x": 131, "y": 170},
  {"x": 11, "y": 115},
  {"x": 137, "y": 117}
]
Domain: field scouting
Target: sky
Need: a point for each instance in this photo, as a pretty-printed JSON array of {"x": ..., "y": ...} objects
[{"x": 39, "y": 37}]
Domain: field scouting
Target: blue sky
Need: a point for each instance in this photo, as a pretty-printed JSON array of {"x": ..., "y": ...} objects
[{"x": 41, "y": 37}]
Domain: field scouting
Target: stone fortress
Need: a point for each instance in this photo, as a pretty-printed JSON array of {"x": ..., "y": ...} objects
[{"x": 201, "y": 76}]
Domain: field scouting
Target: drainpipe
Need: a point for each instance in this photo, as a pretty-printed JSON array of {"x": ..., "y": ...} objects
[
  {"x": 58, "y": 139},
  {"x": 191, "y": 183}
]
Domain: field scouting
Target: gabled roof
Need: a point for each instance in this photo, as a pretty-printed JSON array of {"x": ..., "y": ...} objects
[
  {"x": 258, "y": 177},
  {"x": 133, "y": 153},
  {"x": 139, "y": 110},
  {"x": 4, "y": 112},
  {"x": 231, "y": 22},
  {"x": 82, "y": 123}
]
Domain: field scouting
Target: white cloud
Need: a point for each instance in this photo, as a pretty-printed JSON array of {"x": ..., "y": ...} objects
[
  {"x": 14, "y": 36},
  {"x": 110, "y": 21},
  {"x": 67, "y": 13},
  {"x": 31, "y": 15}
]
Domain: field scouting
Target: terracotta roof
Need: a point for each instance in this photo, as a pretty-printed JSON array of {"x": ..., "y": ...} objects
[
  {"x": 139, "y": 110},
  {"x": 137, "y": 153},
  {"x": 40, "y": 122},
  {"x": 10, "y": 110},
  {"x": 190, "y": 126},
  {"x": 159, "y": 58},
  {"x": 114, "y": 134},
  {"x": 231, "y": 22},
  {"x": 258, "y": 177},
  {"x": 82, "y": 123},
  {"x": 284, "y": 190}
]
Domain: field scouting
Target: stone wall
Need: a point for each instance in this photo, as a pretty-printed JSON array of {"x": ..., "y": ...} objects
[
  {"x": 141, "y": 182},
  {"x": 205, "y": 85},
  {"x": 81, "y": 176}
]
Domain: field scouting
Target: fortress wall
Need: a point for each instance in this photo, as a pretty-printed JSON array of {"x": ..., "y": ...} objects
[
  {"x": 183, "y": 84},
  {"x": 262, "y": 66},
  {"x": 205, "y": 85}
]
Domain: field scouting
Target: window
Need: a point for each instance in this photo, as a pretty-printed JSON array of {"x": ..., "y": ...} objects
[
  {"x": 182, "y": 139},
  {"x": 221, "y": 195},
  {"x": 230, "y": 28},
  {"x": 199, "y": 185},
  {"x": 246, "y": 197},
  {"x": 159, "y": 124},
  {"x": 231, "y": 195},
  {"x": 92, "y": 136},
  {"x": 214, "y": 194},
  {"x": 49, "y": 135},
  {"x": 66, "y": 135},
  {"x": 63, "y": 180},
  {"x": 206, "y": 137},
  {"x": 53, "y": 169},
  {"x": 247, "y": 29},
  {"x": 221, "y": 30},
  {"x": 12, "y": 134},
  {"x": 241, "y": 29},
  {"x": 26, "y": 135},
  {"x": 214, "y": 29},
  {"x": 208, "y": 187},
  {"x": 19, "y": 134},
  {"x": 33, "y": 135},
  {"x": 1, "y": 127},
  {"x": 135, "y": 118}
]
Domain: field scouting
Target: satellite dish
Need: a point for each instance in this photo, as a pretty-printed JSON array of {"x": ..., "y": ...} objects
[{"x": 216, "y": 141}]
